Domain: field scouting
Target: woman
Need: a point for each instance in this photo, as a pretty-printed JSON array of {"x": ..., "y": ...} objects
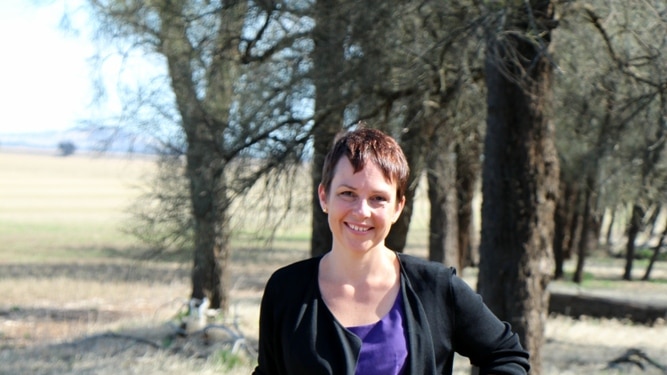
[{"x": 362, "y": 308}]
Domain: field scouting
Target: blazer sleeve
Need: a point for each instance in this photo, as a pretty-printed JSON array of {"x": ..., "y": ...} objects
[
  {"x": 487, "y": 341},
  {"x": 268, "y": 350}
]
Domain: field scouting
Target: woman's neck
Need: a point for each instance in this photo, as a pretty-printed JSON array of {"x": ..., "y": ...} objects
[{"x": 369, "y": 267}]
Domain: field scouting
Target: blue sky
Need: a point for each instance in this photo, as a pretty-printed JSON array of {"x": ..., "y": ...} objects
[{"x": 45, "y": 79}]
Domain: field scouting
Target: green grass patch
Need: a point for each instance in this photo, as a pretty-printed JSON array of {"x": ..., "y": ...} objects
[
  {"x": 645, "y": 254},
  {"x": 228, "y": 360}
]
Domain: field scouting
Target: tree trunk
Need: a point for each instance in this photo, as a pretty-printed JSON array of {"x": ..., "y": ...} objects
[
  {"x": 582, "y": 246},
  {"x": 443, "y": 223},
  {"x": 520, "y": 184},
  {"x": 652, "y": 223},
  {"x": 563, "y": 225},
  {"x": 574, "y": 228},
  {"x": 577, "y": 305},
  {"x": 610, "y": 230},
  {"x": 656, "y": 253},
  {"x": 596, "y": 223},
  {"x": 204, "y": 121},
  {"x": 412, "y": 141},
  {"x": 467, "y": 172},
  {"x": 633, "y": 231},
  {"x": 329, "y": 37},
  {"x": 321, "y": 238},
  {"x": 210, "y": 277}
]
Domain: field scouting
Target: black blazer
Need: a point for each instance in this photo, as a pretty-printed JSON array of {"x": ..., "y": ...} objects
[{"x": 299, "y": 335}]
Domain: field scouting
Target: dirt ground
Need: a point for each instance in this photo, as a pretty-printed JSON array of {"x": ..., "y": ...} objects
[{"x": 122, "y": 318}]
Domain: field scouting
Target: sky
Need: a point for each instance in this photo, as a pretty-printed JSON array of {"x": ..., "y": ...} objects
[{"x": 45, "y": 79}]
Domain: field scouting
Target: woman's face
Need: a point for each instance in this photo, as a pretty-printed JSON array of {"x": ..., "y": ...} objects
[{"x": 362, "y": 207}]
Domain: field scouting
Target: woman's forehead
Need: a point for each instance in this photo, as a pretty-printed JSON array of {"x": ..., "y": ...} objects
[{"x": 344, "y": 173}]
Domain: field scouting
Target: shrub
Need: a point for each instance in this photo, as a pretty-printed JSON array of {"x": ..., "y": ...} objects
[{"x": 66, "y": 148}]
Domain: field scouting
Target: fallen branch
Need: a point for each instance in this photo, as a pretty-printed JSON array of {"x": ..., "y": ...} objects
[
  {"x": 576, "y": 305},
  {"x": 636, "y": 357},
  {"x": 112, "y": 335}
]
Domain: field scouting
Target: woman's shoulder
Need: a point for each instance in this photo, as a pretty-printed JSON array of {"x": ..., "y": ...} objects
[
  {"x": 296, "y": 272},
  {"x": 427, "y": 275},
  {"x": 414, "y": 264}
]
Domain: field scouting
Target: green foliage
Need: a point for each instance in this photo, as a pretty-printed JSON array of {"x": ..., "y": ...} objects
[
  {"x": 609, "y": 110},
  {"x": 646, "y": 253},
  {"x": 228, "y": 360},
  {"x": 167, "y": 341}
]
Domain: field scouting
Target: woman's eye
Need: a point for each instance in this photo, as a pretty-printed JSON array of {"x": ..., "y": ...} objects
[{"x": 380, "y": 199}]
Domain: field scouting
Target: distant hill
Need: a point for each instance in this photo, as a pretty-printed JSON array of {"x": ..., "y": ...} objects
[{"x": 83, "y": 140}]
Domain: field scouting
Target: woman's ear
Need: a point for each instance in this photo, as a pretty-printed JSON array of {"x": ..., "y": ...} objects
[
  {"x": 322, "y": 194},
  {"x": 400, "y": 204}
]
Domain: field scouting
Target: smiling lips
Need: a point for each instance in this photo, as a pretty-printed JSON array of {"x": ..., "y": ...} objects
[{"x": 358, "y": 228}]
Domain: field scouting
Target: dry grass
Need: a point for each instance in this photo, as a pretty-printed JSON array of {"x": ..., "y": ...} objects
[{"x": 72, "y": 302}]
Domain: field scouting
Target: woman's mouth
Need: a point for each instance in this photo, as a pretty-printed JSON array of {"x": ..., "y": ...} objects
[{"x": 358, "y": 228}]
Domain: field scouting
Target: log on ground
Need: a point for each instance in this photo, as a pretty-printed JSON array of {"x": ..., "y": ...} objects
[{"x": 577, "y": 305}]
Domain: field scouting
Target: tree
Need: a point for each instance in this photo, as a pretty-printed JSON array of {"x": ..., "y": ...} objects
[
  {"x": 656, "y": 253},
  {"x": 468, "y": 167},
  {"x": 592, "y": 98},
  {"x": 347, "y": 64},
  {"x": 161, "y": 216},
  {"x": 520, "y": 170},
  {"x": 615, "y": 93},
  {"x": 214, "y": 55},
  {"x": 564, "y": 219},
  {"x": 412, "y": 62},
  {"x": 442, "y": 193},
  {"x": 66, "y": 148},
  {"x": 449, "y": 90},
  {"x": 399, "y": 67},
  {"x": 327, "y": 75}
]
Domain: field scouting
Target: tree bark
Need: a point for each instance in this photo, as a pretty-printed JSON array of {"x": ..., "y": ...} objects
[
  {"x": 443, "y": 223},
  {"x": 412, "y": 141},
  {"x": 204, "y": 121},
  {"x": 610, "y": 230},
  {"x": 210, "y": 276},
  {"x": 574, "y": 227},
  {"x": 329, "y": 37},
  {"x": 520, "y": 182},
  {"x": 652, "y": 223},
  {"x": 633, "y": 231},
  {"x": 563, "y": 227},
  {"x": 577, "y": 305},
  {"x": 656, "y": 253},
  {"x": 467, "y": 174},
  {"x": 586, "y": 219}
]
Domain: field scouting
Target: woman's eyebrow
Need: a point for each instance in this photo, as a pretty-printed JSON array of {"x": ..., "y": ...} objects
[{"x": 347, "y": 186}]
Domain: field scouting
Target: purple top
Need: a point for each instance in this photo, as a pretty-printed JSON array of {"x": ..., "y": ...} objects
[{"x": 384, "y": 348}]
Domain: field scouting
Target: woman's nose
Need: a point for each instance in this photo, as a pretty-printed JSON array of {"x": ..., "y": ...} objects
[{"x": 362, "y": 208}]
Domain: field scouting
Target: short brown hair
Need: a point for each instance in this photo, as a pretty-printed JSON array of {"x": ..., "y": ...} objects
[{"x": 363, "y": 145}]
